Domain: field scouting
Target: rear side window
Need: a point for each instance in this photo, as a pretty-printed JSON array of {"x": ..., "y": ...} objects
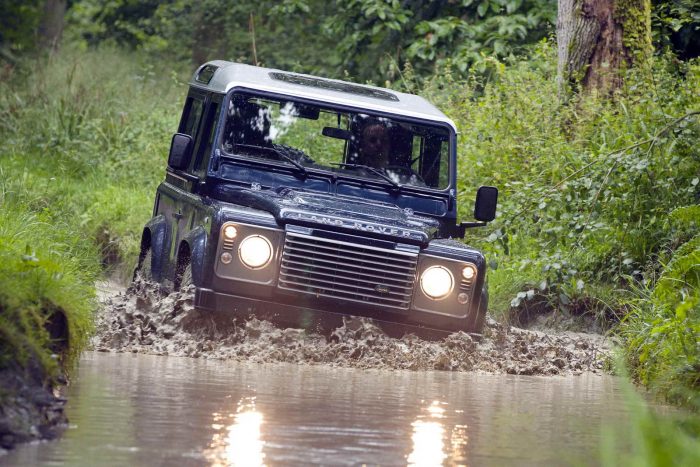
[
  {"x": 207, "y": 138},
  {"x": 191, "y": 116}
]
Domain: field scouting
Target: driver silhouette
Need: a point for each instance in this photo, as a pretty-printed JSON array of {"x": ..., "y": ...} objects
[{"x": 375, "y": 146}]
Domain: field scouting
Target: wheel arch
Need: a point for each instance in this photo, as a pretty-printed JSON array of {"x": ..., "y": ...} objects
[{"x": 192, "y": 250}]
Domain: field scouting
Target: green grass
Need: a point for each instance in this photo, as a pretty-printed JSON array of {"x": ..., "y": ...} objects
[
  {"x": 88, "y": 136},
  {"x": 84, "y": 144},
  {"x": 47, "y": 276}
]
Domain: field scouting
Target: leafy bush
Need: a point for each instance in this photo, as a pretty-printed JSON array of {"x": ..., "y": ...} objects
[
  {"x": 368, "y": 39},
  {"x": 587, "y": 187},
  {"x": 663, "y": 329}
]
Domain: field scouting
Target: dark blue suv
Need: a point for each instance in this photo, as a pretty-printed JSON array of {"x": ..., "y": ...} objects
[{"x": 297, "y": 197}]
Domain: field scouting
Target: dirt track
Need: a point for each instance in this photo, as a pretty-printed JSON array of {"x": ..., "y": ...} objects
[{"x": 144, "y": 321}]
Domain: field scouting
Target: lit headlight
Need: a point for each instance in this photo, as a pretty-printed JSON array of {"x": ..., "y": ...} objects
[
  {"x": 255, "y": 251},
  {"x": 436, "y": 282}
]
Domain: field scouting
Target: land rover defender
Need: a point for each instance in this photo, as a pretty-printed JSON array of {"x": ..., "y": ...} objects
[{"x": 304, "y": 196}]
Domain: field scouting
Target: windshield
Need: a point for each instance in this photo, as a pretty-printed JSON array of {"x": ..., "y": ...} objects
[{"x": 307, "y": 136}]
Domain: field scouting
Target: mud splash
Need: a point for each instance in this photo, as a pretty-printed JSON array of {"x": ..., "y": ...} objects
[{"x": 142, "y": 320}]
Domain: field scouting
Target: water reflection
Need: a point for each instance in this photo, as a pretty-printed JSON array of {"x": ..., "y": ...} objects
[
  {"x": 429, "y": 438},
  {"x": 238, "y": 440},
  {"x": 145, "y": 410}
]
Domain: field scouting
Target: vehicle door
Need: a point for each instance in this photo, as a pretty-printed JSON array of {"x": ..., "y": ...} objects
[
  {"x": 178, "y": 196},
  {"x": 202, "y": 155}
]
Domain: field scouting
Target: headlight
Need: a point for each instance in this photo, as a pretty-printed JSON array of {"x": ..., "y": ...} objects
[
  {"x": 255, "y": 251},
  {"x": 436, "y": 282}
]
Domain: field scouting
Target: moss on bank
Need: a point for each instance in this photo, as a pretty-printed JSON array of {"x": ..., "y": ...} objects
[{"x": 46, "y": 305}]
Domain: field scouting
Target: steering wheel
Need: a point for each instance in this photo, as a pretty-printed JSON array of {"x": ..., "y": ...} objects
[{"x": 404, "y": 172}]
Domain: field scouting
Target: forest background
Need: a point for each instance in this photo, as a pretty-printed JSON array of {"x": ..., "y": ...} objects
[{"x": 600, "y": 185}]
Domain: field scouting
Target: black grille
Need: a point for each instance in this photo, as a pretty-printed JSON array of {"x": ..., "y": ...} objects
[{"x": 347, "y": 271}]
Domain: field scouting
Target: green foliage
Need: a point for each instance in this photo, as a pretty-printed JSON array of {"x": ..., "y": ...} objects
[
  {"x": 46, "y": 274},
  {"x": 663, "y": 329},
  {"x": 676, "y": 25},
  {"x": 127, "y": 22},
  {"x": 90, "y": 141},
  {"x": 368, "y": 39},
  {"x": 586, "y": 188},
  {"x": 479, "y": 29},
  {"x": 18, "y": 21},
  {"x": 83, "y": 148}
]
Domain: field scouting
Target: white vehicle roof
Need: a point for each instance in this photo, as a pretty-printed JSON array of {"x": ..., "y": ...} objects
[{"x": 229, "y": 75}]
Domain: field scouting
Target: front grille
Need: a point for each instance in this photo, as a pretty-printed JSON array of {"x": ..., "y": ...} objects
[{"x": 347, "y": 271}]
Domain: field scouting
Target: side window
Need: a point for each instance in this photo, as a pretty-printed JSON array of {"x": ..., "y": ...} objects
[
  {"x": 191, "y": 116},
  {"x": 207, "y": 140},
  {"x": 416, "y": 153},
  {"x": 444, "y": 164}
]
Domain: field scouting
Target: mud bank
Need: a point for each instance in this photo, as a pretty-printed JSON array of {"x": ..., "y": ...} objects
[
  {"x": 142, "y": 320},
  {"x": 29, "y": 407}
]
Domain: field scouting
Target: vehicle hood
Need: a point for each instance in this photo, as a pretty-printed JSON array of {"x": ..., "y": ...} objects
[{"x": 335, "y": 212}]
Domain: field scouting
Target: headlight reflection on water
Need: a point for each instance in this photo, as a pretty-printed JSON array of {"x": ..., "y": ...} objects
[
  {"x": 429, "y": 439},
  {"x": 238, "y": 441}
]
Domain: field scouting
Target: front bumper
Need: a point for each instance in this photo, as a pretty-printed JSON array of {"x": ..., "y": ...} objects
[{"x": 321, "y": 315}]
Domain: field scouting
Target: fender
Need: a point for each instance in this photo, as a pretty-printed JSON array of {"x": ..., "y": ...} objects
[
  {"x": 196, "y": 239},
  {"x": 160, "y": 236}
]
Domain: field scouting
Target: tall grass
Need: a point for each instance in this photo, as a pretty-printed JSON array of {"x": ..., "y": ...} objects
[
  {"x": 47, "y": 293},
  {"x": 84, "y": 141},
  {"x": 87, "y": 134}
]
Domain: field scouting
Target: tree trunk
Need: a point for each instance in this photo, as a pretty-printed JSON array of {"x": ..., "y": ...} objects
[
  {"x": 51, "y": 26},
  {"x": 598, "y": 39}
]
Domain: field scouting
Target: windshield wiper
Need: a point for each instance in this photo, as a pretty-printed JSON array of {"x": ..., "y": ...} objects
[
  {"x": 372, "y": 170},
  {"x": 280, "y": 153},
  {"x": 291, "y": 160}
]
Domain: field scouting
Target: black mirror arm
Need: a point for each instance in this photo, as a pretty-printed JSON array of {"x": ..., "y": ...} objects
[
  {"x": 471, "y": 225},
  {"x": 461, "y": 228}
]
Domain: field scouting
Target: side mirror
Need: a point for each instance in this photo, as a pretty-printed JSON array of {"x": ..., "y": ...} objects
[
  {"x": 180, "y": 151},
  {"x": 485, "y": 205}
]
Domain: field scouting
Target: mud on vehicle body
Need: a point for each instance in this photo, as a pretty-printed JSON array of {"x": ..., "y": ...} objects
[{"x": 307, "y": 197}]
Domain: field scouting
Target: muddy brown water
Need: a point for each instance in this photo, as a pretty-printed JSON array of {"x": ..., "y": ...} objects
[{"x": 149, "y": 410}]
